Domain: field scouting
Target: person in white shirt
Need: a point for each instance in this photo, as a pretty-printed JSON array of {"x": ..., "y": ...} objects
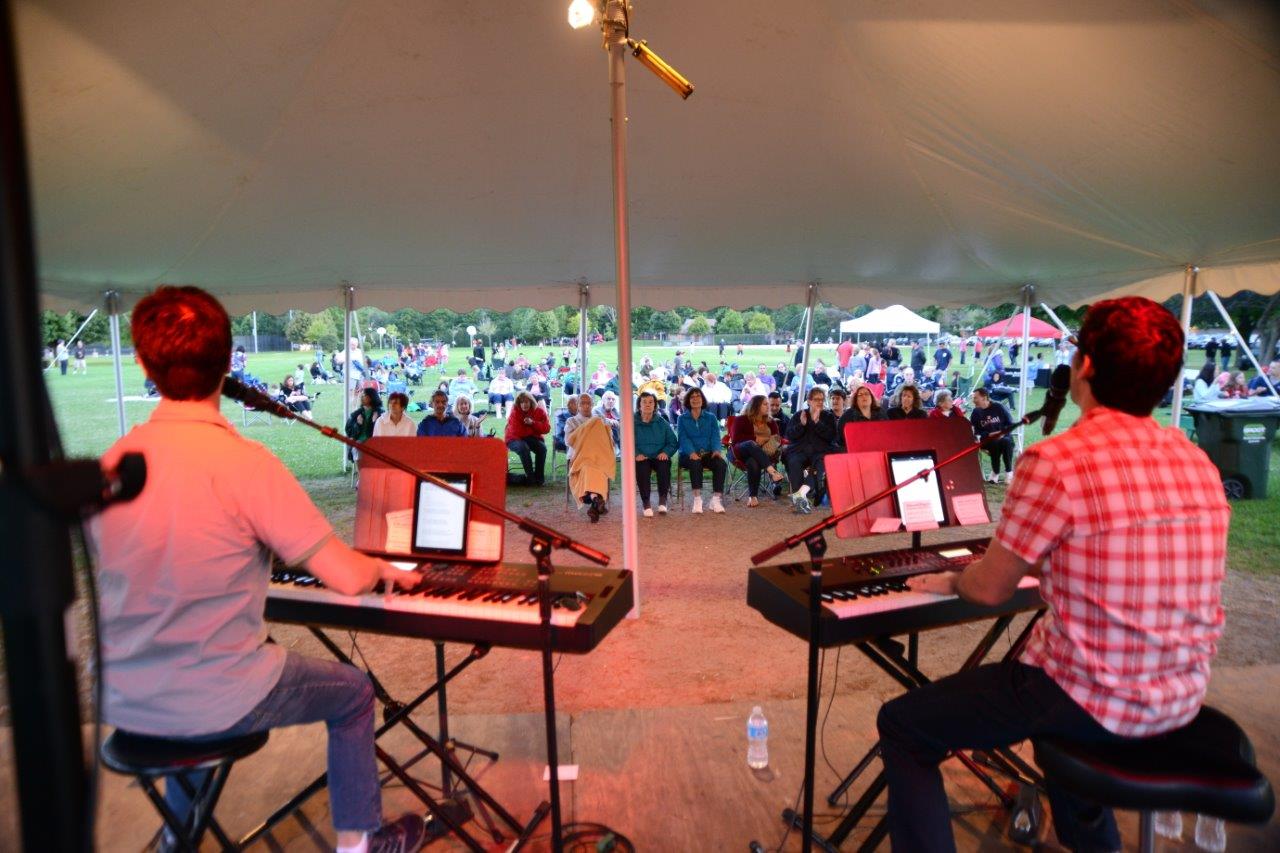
[
  {"x": 394, "y": 422},
  {"x": 502, "y": 394},
  {"x": 462, "y": 411},
  {"x": 718, "y": 395}
]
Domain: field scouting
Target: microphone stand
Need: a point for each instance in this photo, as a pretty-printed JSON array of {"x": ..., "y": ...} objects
[
  {"x": 543, "y": 540},
  {"x": 816, "y": 542}
]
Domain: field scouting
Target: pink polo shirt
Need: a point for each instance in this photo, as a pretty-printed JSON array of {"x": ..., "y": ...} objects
[{"x": 183, "y": 572}]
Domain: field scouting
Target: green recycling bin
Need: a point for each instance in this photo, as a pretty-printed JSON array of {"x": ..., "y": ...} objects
[{"x": 1237, "y": 436}]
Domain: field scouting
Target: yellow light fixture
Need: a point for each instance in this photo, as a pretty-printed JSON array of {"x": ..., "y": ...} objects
[{"x": 673, "y": 78}]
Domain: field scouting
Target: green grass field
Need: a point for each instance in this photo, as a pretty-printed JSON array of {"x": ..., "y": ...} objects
[{"x": 86, "y": 414}]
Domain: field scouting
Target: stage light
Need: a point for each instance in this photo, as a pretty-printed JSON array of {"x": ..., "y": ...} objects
[
  {"x": 673, "y": 78},
  {"x": 582, "y": 13}
]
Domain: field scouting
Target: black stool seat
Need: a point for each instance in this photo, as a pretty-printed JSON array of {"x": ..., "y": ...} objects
[
  {"x": 1206, "y": 766},
  {"x": 145, "y": 755}
]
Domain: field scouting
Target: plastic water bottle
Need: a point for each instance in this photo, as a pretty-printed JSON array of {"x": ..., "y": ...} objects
[
  {"x": 1168, "y": 825},
  {"x": 757, "y": 739},
  {"x": 1211, "y": 833}
]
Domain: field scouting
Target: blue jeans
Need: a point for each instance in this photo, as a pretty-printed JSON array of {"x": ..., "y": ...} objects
[
  {"x": 310, "y": 690},
  {"x": 990, "y": 706}
]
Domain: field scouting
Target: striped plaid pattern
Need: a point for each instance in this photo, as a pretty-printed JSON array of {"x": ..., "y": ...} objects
[{"x": 1134, "y": 523}]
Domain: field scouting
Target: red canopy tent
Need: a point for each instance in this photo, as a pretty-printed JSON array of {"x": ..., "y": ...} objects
[{"x": 1012, "y": 328}]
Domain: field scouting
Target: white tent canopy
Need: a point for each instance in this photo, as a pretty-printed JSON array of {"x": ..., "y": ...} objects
[
  {"x": 895, "y": 319},
  {"x": 440, "y": 154}
]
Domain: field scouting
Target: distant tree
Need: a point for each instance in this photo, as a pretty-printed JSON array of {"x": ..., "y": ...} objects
[
  {"x": 605, "y": 318},
  {"x": 685, "y": 313},
  {"x": 730, "y": 322},
  {"x": 53, "y": 326},
  {"x": 641, "y": 317},
  {"x": 759, "y": 323},
  {"x": 296, "y": 329},
  {"x": 546, "y": 326},
  {"x": 523, "y": 323},
  {"x": 410, "y": 324},
  {"x": 699, "y": 327},
  {"x": 322, "y": 331},
  {"x": 486, "y": 326},
  {"x": 664, "y": 322}
]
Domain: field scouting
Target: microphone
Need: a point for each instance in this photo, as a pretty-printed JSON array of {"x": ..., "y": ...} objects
[
  {"x": 1056, "y": 398},
  {"x": 234, "y": 389},
  {"x": 75, "y": 487}
]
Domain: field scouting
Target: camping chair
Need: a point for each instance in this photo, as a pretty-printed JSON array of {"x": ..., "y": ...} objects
[{"x": 736, "y": 486}]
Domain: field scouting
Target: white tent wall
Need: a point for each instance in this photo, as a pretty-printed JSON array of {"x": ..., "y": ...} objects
[{"x": 950, "y": 152}]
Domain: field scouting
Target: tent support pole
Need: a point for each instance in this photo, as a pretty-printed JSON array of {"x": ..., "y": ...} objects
[
  {"x": 112, "y": 299},
  {"x": 811, "y": 303},
  {"x": 1028, "y": 294},
  {"x": 255, "y": 332},
  {"x": 348, "y": 306},
  {"x": 1240, "y": 341},
  {"x": 1188, "y": 297},
  {"x": 584, "y": 305},
  {"x": 616, "y": 39}
]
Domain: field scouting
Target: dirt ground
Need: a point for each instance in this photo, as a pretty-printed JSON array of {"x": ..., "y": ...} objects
[{"x": 696, "y": 641}]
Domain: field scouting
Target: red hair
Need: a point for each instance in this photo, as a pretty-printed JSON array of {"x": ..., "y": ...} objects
[
  {"x": 1136, "y": 348},
  {"x": 182, "y": 336}
]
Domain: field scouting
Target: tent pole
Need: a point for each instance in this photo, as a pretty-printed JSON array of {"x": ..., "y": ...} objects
[
  {"x": 112, "y": 299},
  {"x": 616, "y": 39},
  {"x": 584, "y": 304},
  {"x": 808, "y": 344},
  {"x": 348, "y": 306},
  {"x": 255, "y": 332},
  {"x": 1240, "y": 341},
  {"x": 1188, "y": 296},
  {"x": 1028, "y": 294}
]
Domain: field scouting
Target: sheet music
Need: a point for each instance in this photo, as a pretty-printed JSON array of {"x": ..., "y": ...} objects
[
  {"x": 918, "y": 515},
  {"x": 970, "y": 509},
  {"x": 886, "y": 524},
  {"x": 484, "y": 541},
  {"x": 399, "y": 532}
]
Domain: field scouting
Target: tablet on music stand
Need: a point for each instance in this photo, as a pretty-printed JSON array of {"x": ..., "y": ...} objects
[
  {"x": 903, "y": 465},
  {"x": 441, "y": 519}
]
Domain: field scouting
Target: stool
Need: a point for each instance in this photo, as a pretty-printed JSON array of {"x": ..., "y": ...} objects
[
  {"x": 1206, "y": 766},
  {"x": 149, "y": 758}
]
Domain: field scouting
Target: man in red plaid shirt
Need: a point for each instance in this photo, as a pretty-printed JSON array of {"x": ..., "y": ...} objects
[{"x": 1125, "y": 523}]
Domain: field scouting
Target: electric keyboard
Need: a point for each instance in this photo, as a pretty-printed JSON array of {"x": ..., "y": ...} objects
[
  {"x": 495, "y": 605},
  {"x": 866, "y": 595}
]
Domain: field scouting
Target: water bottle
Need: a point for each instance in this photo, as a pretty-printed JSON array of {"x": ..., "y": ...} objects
[
  {"x": 757, "y": 739},
  {"x": 1168, "y": 825},
  {"x": 1211, "y": 833}
]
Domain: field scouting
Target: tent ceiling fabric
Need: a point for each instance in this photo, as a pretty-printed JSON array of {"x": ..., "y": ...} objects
[{"x": 436, "y": 154}]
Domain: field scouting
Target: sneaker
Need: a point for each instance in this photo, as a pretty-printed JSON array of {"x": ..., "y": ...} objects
[
  {"x": 800, "y": 504},
  {"x": 994, "y": 478},
  {"x": 648, "y": 513},
  {"x": 662, "y": 509},
  {"x": 716, "y": 505},
  {"x": 1008, "y": 477},
  {"x": 405, "y": 834},
  {"x": 697, "y": 506}
]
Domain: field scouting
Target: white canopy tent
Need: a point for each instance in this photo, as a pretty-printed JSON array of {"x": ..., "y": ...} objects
[
  {"x": 896, "y": 319},
  {"x": 299, "y": 153}
]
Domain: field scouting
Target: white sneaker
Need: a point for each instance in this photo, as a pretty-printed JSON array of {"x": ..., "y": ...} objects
[
  {"x": 1008, "y": 477},
  {"x": 697, "y": 506},
  {"x": 662, "y": 509},
  {"x": 648, "y": 513},
  {"x": 994, "y": 478},
  {"x": 716, "y": 506}
]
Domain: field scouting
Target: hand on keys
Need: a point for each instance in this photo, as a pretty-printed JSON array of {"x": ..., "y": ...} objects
[{"x": 941, "y": 583}]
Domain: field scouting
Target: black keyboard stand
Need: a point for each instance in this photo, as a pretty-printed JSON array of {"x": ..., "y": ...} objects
[
  {"x": 452, "y": 812},
  {"x": 887, "y": 654}
]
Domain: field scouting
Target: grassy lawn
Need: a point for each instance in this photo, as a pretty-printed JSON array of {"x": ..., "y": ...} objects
[{"x": 86, "y": 416}]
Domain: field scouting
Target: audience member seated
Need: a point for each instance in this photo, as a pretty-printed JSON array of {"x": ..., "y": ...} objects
[
  {"x": 557, "y": 433},
  {"x": 865, "y": 407},
  {"x": 461, "y": 384},
  {"x": 656, "y": 444},
  {"x": 1206, "y": 387},
  {"x": 945, "y": 406},
  {"x": 698, "y": 431},
  {"x": 318, "y": 373},
  {"x": 599, "y": 379},
  {"x": 360, "y": 424},
  {"x": 526, "y": 426},
  {"x": 839, "y": 400},
  {"x": 394, "y": 422},
  {"x": 675, "y": 405},
  {"x": 821, "y": 375},
  {"x": 990, "y": 417},
  {"x": 930, "y": 383},
  {"x": 470, "y": 423},
  {"x": 538, "y": 386},
  {"x": 609, "y": 412},
  {"x": 441, "y": 423},
  {"x": 757, "y": 445},
  {"x": 907, "y": 405},
  {"x": 1258, "y": 385},
  {"x": 812, "y": 435},
  {"x": 776, "y": 413},
  {"x": 1233, "y": 385},
  {"x": 998, "y": 391},
  {"x": 592, "y": 466},
  {"x": 502, "y": 392},
  {"x": 718, "y": 395},
  {"x": 294, "y": 395},
  {"x": 582, "y": 414}
]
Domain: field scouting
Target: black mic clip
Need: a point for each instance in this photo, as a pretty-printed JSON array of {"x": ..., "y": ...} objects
[{"x": 73, "y": 488}]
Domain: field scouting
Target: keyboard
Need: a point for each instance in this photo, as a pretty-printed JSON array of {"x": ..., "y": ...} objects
[
  {"x": 866, "y": 595},
  {"x": 495, "y": 605}
]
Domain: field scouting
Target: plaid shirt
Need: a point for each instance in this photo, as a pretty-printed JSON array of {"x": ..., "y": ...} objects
[{"x": 1134, "y": 523}]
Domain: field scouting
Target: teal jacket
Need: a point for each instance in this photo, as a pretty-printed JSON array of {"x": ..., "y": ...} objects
[
  {"x": 655, "y": 437},
  {"x": 700, "y": 436}
]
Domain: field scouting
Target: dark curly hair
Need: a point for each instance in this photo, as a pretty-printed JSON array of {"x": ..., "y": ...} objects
[{"x": 1136, "y": 347}]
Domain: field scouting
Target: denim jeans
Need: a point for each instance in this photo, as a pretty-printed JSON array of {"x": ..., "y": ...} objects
[
  {"x": 310, "y": 690},
  {"x": 533, "y": 457},
  {"x": 987, "y": 707}
]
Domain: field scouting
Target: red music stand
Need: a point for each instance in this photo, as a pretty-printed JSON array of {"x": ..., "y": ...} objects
[{"x": 385, "y": 490}]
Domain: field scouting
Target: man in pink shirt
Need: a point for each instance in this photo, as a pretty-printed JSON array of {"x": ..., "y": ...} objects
[
  {"x": 184, "y": 569},
  {"x": 1125, "y": 524}
]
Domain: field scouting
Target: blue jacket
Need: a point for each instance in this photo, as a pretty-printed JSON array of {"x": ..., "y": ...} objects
[
  {"x": 450, "y": 427},
  {"x": 655, "y": 437},
  {"x": 699, "y": 436}
]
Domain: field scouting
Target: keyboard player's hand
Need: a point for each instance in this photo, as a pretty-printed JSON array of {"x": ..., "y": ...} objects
[
  {"x": 941, "y": 583},
  {"x": 400, "y": 578}
]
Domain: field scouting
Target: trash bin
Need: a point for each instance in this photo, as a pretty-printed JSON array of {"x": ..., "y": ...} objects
[{"x": 1237, "y": 436}]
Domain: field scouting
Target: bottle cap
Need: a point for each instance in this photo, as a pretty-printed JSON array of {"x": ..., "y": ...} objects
[{"x": 757, "y": 710}]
